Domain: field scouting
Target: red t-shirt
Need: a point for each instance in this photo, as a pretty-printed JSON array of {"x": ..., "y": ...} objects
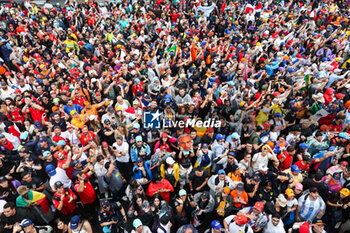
[
  {"x": 88, "y": 195},
  {"x": 15, "y": 116},
  {"x": 36, "y": 114},
  {"x": 69, "y": 170},
  {"x": 287, "y": 161},
  {"x": 68, "y": 207},
  {"x": 154, "y": 187},
  {"x": 84, "y": 139},
  {"x": 305, "y": 167}
]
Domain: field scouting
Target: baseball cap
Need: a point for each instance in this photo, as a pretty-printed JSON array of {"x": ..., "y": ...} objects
[
  {"x": 204, "y": 145},
  {"x": 138, "y": 160},
  {"x": 2, "y": 179},
  {"x": 105, "y": 204},
  {"x": 136, "y": 126},
  {"x": 345, "y": 192},
  {"x": 138, "y": 138},
  {"x": 289, "y": 192},
  {"x": 61, "y": 143},
  {"x": 26, "y": 222},
  {"x": 24, "y": 135},
  {"x": 58, "y": 184},
  {"x": 344, "y": 135},
  {"x": 299, "y": 186},
  {"x": 38, "y": 125},
  {"x": 170, "y": 160},
  {"x": 74, "y": 222},
  {"x": 240, "y": 187},
  {"x": 263, "y": 167},
  {"x": 241, "y": 219},
  {"x": 278, "y": 114},
  {"x": 304, "y": 146},
  {"x": 46, "y": 153},
  {"x": 216, "y": 225},
  {"x": 336, "y": 175},
  {"x": 43, "y": 139},
  {"x": 344, "y": 163},
  {"x": 318, "y": 222},
  {"x": 51, "y": 170},
  {"x": 226, "y": 190},
  {"x": 259, "y": 206},
  {"x": 313, "y": 189},
  {"x": 221, "y": 172},
  {"x": 182, "y": 192},
  {"x": 110, "y": 109},
  {"x": 295, "y": 168},
  {"x": 205, "y": 195},
  {"x": 135, "y": 102},
  {"x": 136, "y": 223}
]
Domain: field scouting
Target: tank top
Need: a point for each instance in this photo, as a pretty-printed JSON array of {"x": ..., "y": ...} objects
[{"x": 80, "y": 229}]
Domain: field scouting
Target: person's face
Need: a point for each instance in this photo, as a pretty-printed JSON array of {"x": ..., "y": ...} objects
[
  {"x": 156, "y": 202},
  {"x": 28, "y": 229},
  {"x": 256, "y": 211},
  {"x": 4, "y": 184},
  {"x": 119, "y": 142},
  {"x": 314, "y": 195},
  {"x": 185, "y": 142},
  {"x": 60, "y": 156},
  {"x": 183, "y": 197},
  {"x": 221, "y": 177},
  {"x": 60, "y": 225},
  {"x": 8, "y": 212},
  {"x": 139, "y": 144},
  {"x": 230, "y": 159},
  {"x": 27, "y": 178},
  {"x": 318, "y": 228},
  {"x": 139, "y": 229},
  {"x": 139, "y": 201},
  {"x": 275, "y": 221}
]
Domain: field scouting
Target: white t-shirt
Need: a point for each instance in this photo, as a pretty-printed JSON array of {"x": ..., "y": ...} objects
[
  {"x": 72, "y": 137},
  {"x": 259, "y": 159},
  {"x": 60, "y": 176},
  {"x": 144, "y": 230},
  {"x": 122, "y": 148},
  {"x": 291, "y": 203},
  {"x": 166, "y": 227},
  {"x": 233, "y": 227},
  {"x": 270, "y": 228}
]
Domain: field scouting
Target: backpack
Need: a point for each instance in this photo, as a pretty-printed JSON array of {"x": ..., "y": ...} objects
[
  {"x": 156, "y": 226},
  {"x": 245, "y": 226}
]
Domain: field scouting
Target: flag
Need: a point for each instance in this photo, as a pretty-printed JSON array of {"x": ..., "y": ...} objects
[
  {"x": 254, "y": 9},
  {"x": 172, "y": 49},
  {"x": 307, "y": 79}
]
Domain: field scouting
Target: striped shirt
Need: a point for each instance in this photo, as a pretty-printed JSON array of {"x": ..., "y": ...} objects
[{"x": 308, "y": 208}]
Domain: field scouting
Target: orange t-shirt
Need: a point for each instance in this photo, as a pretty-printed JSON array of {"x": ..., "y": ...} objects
[{"x": 243, "y": 196}]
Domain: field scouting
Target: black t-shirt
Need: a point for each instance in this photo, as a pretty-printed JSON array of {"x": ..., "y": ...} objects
[
  {"x": 322, "y": 187},
  {"x": 197, "y": 180},
  {"x": 34, "y": 184},
  {"x": 21, "y": 213},
  {"x": 62, "y": 124}
]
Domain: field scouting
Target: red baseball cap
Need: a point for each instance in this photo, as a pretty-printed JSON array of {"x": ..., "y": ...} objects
[
  {"x": 210, "y": 130},
  {"x": 241, "y": 219},
  {"x": 164, "y": 135},
  {"x": 259, "y": 205},
  {"x": 7, "y": 73},
  {"x": 162, "y": 148},
  {"x": 104, "y": 144}
]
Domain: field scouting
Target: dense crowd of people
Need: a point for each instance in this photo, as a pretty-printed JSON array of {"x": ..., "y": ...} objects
[{"x": 175, "y": 116}]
